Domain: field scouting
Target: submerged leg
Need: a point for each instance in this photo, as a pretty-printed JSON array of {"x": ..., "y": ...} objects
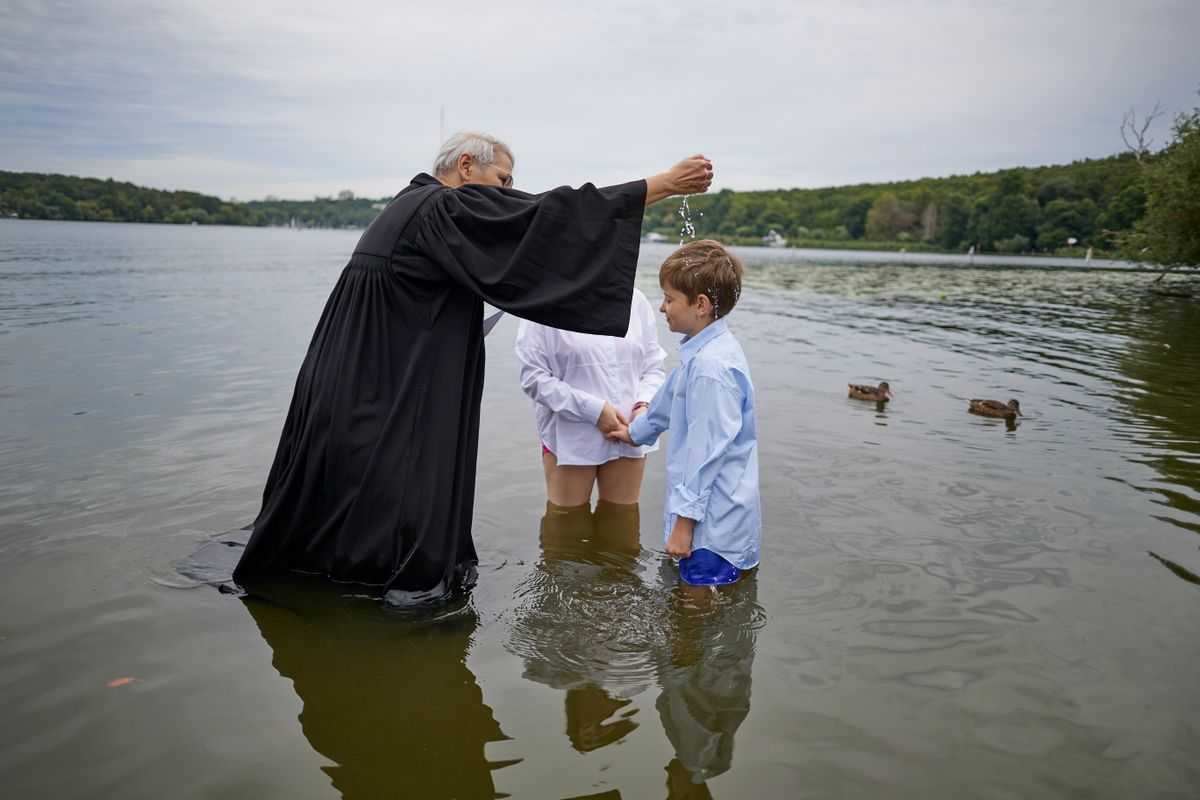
[{"x": 565, "y": 530}]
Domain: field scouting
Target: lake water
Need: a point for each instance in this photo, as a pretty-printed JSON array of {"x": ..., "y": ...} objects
[{"x": 948, "y": 606}]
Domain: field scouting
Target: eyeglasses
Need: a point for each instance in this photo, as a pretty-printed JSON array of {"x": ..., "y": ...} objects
[{"x": 506, "y": 178}]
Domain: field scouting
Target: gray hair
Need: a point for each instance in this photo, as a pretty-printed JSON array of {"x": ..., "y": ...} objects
[{"x": 478, "y": 146}]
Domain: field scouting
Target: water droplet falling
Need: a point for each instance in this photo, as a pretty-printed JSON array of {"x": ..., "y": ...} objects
[{"x": 686, "y": 213}]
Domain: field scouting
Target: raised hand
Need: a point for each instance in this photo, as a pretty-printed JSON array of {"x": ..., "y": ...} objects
[{"x": 692, "y": 175}]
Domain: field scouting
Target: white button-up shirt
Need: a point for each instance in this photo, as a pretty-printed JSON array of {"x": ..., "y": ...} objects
[{"x": 570, "y": 376}]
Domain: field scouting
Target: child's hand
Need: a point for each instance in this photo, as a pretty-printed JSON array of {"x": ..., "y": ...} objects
[
  {"x": 621, "y": 434},
  {"x": 679, "y": 543}
]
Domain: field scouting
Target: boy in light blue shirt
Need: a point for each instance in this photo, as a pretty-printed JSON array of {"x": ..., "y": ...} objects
[{"x": 712, "y": 521}]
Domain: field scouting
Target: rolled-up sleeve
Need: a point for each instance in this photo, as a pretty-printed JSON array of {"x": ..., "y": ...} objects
[
  {"x": 540, "y": 384},
  {"x": 714, "y": 418}
]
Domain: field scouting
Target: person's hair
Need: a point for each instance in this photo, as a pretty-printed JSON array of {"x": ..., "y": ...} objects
[
  {"x": 704, "y": 267},
  {"x": 478, "y": 146}
]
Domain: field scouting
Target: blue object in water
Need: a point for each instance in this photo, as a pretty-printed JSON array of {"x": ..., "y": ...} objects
[{"x": 706, "y": 568}]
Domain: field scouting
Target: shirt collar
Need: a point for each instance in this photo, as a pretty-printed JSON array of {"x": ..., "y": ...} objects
[{"x": 692, "y": 345}]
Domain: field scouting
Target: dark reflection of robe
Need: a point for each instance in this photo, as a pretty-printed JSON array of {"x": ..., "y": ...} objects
[
  {"x": 571, "y": 630},
  {"x": 705, "y": 678},
  {"x": 389, "y": 699},
  {"x": 374, "y": 477}
]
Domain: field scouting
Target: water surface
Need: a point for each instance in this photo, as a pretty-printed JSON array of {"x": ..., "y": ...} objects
[{"x": 948, "y": 606}]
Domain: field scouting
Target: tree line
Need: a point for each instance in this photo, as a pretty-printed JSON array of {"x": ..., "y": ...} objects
[
  {"x": 1140, "y": 205},
  {"x": 1168, "y": 233},
  {"x": 1014, "y": 210},
  {"x": 31, "y": 195},
  {"x": 1019, "y": 210}
]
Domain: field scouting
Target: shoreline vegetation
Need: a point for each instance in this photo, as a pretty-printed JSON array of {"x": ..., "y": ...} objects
[
  {"x": 1021, "y": 210},
  {"x": 1107, "y": 208},
  {"x": 1060, "y": 210}
]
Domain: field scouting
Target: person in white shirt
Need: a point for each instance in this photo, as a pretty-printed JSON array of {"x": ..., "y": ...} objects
[{"x": 582, "y": 386}]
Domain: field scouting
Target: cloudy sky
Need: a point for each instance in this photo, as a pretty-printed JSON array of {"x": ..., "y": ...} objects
[{"x": 248, "y": 98}]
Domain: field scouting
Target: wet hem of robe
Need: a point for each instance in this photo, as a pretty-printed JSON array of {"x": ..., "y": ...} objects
[{"x": 209, "y": 564}]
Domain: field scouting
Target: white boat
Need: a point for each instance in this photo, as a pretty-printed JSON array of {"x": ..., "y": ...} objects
[{"x": 774, "y": 239}]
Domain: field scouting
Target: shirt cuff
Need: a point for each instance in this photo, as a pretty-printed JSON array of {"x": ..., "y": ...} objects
[
  {"x": 684, "y": 502},
  {"x": 638, "y": 425},
  {"x": 592, "y": 406}
]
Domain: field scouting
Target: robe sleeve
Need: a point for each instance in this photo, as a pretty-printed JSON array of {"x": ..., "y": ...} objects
[{"x": 565, "y": 258}]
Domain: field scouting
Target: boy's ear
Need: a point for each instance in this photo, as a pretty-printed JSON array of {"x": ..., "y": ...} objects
[{"x": 703, "y": 304}]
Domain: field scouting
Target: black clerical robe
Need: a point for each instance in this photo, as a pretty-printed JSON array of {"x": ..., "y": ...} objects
[{"x": 374, "y": 478}]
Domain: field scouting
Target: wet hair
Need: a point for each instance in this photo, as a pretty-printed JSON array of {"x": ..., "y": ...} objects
[
  {"x": 704, "y": 267},
  {"x": 478, "y": 146}
]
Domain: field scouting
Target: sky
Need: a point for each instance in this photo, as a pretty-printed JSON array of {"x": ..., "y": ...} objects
[{"x": 296, "y": 99}]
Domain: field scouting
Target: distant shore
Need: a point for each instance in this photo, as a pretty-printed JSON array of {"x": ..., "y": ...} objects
[
  {"x": 1054, "y": 210},
  {"x": 888, "y": 247}
]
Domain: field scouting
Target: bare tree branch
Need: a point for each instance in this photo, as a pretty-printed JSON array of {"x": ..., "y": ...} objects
[{"x": 1134, "y": 135}]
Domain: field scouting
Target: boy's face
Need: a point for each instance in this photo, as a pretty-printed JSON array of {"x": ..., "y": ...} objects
[{"x": 684, "y": 317}]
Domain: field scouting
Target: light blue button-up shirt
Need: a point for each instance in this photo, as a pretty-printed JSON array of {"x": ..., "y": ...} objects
[{"x": 707, "y": 403}]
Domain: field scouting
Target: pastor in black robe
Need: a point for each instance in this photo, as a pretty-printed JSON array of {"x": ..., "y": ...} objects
[{"x": 373, "y": 481}]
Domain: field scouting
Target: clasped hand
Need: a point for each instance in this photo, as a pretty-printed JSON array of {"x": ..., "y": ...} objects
[
  {"x": 611, "y": 420},
  {"x": 614, "y": 425}
]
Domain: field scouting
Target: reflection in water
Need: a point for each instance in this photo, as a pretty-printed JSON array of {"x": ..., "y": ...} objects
[
  {"x": 1186, "y": 574},
  {"x": 705, "y": 676},
  {"x": 569, "y": 630},
  {"x": 1162, "y": 394},
  {"x": 388, "y": 699},
  {"x": 589, "y": 625},
  {"x": 589, "y": 708}
]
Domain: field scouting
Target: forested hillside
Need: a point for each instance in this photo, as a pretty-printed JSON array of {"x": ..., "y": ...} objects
[
  {"x": 1015, "y": 210},
  {"x": 31, "y": 195}
]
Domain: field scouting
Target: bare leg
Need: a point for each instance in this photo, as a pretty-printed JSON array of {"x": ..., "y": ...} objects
[
  {"x": 621, "y": 480},
  {"x": 567, "y": 485}
]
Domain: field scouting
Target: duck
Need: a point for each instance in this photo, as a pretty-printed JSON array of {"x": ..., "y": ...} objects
[
  {"x": 878, "y": 394},
  {"x": 994, "y": 408}
]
